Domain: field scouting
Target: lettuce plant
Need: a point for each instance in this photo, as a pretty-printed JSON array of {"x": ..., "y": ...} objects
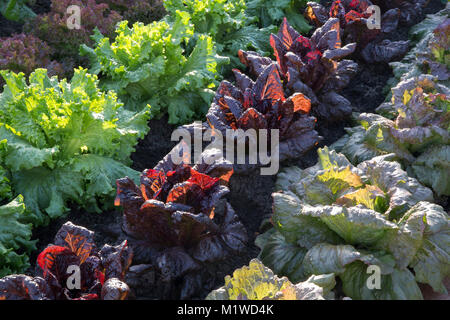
[
  {"x": 101, "y": 271},
  {"x": 419, "y": 134},
  {"x": 261, "y": 104},
  {"x": 52, "y": 27},
  {"x": 430, "y": 53},
  {"x": 25, "y": 53},
  {"x": 441, "y": 43},
  {"x": 354, "y": 19},
  {"x": 173, "y": 220},
  {"x": 16, "y": 10},
  {"x": 257, "y": 282},
  {"x": 272, "y": 13},
  {"x": 311, "y": 66},
  {"x": 148, "y": 64},
  {"x": 144, "y": 11},
  {"x": 65, "y": 140},
  {"x": 15, "y": 236},
  {"x": 337, "y": 218},
  {"x": 226, "y": 22}
]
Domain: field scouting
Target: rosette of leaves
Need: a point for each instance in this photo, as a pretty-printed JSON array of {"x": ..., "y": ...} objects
[
  {"x": 74, "y": 252},
  {"x": 149, "y": 65},
  {"x": 419, "y": 134},
  {"x": 311, "y": 66},
  {"x": 66, "y": 141},
  {"x": 354, "y": 17},
  {"x": 25, "y": 53},
  {"x": 226, "y": 22},
  {"x": 272, "y": 13},
  {"x": 53, "y": 28},
  {"x": 175, "y": 220},
  {"x": 337, "y": 218},
  {"x": 144, "y": 11},
  {"x": 15, "y": 235},
  {"x": 262, "y": 105},
  {"x": 16, "y": 10},
  {"x": 430, "y": 53},
  {"x": 257, "y": 282}
]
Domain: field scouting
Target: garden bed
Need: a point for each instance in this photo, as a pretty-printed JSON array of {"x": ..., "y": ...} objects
[{"x": 250, "y": 195}]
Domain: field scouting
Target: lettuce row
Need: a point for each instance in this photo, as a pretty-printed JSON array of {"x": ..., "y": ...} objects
[
  {"x": 149, "y": 65},
  {"x": 257, "y": 282},
  {"x": 337, "y": 218},
  {"x": 14, "y": 235},
  {"x": 226, "y": 22},
  {"x": 66, "y": 141},
  {"x": 415, "y": 123}
]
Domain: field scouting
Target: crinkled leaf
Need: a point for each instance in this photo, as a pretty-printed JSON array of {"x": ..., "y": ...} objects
[
  {"x": 15, "y": 236},
  {"x": 284, "y": 257}
]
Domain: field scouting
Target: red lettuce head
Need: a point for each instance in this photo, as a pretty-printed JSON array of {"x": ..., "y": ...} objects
[
  {"x": 173, "y": 215},
  {"x": 100, "y": 272},
  {"x": 314, "y": 59},
  {"x": 261, "y": 104},
  {"x": 354, "y": 18},
  {"x": 311, "y": 66}
]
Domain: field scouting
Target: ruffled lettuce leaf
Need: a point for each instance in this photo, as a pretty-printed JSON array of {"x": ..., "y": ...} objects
[
  {"x": 351, "y": 265},
  {"x": 5, "y": 187},
  {"x": 431, "y": 168}
]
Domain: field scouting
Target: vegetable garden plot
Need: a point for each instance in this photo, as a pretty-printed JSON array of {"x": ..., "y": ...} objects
[{"x": 191, "y": 231}]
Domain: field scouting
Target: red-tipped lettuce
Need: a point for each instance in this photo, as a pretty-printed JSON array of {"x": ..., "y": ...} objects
[
  {"x": 101, "y": 272},
  {"x": 172, "y": 219},
  {"x": 354, "y": 17},
  {"x": 261, "y": 104}
]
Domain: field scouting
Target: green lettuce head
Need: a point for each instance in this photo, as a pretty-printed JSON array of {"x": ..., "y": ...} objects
[
  {"x": 354, "y": 221},
  {"x": 65, "y": 141}
]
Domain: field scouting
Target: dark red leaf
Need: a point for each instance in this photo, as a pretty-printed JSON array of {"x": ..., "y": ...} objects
[{"x": 46, "y": 258}]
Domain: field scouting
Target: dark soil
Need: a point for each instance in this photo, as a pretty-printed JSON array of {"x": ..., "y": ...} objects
[
  {"x": 250, "y": 194},
  {"x": 154, "y": 146}
]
